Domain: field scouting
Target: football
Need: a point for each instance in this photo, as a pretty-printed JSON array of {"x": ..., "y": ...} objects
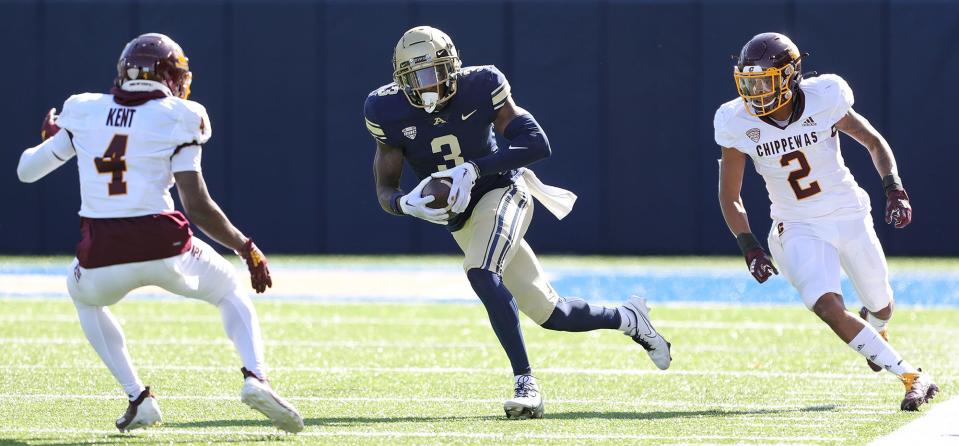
[{"x": 439, "y": 188}]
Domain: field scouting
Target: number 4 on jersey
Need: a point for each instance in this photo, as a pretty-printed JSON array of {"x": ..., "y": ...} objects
[{"x": 112, "y": 162}]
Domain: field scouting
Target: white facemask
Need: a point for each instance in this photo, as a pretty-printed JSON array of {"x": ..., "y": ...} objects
[{"x": 430, "y": 99}]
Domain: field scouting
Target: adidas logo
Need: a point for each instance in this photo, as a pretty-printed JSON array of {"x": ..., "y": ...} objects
[{"x": 809, "y": 122}]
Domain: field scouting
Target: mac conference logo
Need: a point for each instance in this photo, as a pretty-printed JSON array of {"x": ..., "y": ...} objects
[
  {"x": 753, "y": 134},
  {"x": 410, "y": 132}
]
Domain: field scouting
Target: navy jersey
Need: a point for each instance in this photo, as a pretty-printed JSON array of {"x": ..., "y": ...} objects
[{"x": 461, "y": 131}]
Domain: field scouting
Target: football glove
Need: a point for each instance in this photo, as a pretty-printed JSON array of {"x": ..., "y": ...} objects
[
  {"x": 414, "y": 204},
  {"x": 758, "y": 262},
  {"x": 463, "y": 177},
  {"x": 256, "y": 262},
  {"x": 760, "y": 266},
  {"x": 49, "y": 126},
  {"x": 898, "y": 209}
]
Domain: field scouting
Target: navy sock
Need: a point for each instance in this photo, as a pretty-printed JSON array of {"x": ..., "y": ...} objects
[
  {"x": 503, "y": 316},
  {"x": 578, "y": 315}
]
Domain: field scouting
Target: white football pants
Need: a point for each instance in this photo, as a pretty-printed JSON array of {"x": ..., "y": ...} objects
[
  {"x": 810, "y": 253},
  {"x": 200, "y": 273}
]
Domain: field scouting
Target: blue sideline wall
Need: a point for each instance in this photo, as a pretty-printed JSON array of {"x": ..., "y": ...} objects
[{"x": 625, "y": 90}]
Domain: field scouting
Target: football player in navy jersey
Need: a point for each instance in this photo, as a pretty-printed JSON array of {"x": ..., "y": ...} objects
[{"x": 439, "y": 117}]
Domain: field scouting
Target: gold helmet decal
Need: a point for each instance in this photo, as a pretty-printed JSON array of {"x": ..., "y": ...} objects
[{"x": 425, "y": 64}]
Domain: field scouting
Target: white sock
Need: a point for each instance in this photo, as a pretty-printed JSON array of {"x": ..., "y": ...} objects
[
  {"x": 627, "y": 319},
  {"x": 243, "y": 328},
  {"x": 105, "y": 335},
  {"x": 869, "y": 344},
  {"x": 878, "y": 324}
]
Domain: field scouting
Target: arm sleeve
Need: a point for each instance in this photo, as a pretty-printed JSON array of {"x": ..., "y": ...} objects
[
  {"x": 186, "y": 159},
  {"x": 838, "y": 91},
  {"x": 527, "y": 145},
  {"x": 37, "y": 162}
]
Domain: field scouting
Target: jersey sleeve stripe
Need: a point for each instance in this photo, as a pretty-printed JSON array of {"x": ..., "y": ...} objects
[
  {"x": 500, "y": 98},
  {"x": 374, "y": 130},
  {"x": 498, "y": 89}
]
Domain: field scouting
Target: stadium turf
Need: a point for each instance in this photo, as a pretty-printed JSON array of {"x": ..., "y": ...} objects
[{"x": 433, "y": 373}]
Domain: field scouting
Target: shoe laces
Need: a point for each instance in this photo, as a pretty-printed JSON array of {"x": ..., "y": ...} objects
[{"x": 525, "y": 387}]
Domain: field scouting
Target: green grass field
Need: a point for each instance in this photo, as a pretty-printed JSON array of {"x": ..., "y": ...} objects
[{"x": 434, "y": 373}]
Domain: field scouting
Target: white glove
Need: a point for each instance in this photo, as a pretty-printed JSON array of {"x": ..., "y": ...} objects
[
  {"x": 464, "y": 177},
  {"x": 414, "y": 204}
]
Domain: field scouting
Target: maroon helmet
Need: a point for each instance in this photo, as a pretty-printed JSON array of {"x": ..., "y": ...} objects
[
  {"x": 155, "y": 57},
  {"x": 767, "y": 73}
]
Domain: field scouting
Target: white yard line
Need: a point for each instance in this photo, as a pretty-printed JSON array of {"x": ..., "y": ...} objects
[
  {"x": 937, "y": 427},
  {"x": 809, "y": 408},
  {"x": 162, "y": 431},
  {"x": 474, "y": 371},
  {"x": 411, "y": 344},
  {"x": 449, "y": 322}
]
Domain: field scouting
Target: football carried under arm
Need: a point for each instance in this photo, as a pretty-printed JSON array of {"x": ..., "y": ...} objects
[
  {"x": 207, "y": 215},
  {"x": 387, "y": 170},
  {"x": 730, "y": 184},
  {"x": 528, "y": 144},
  {"x": 898, "y": 209},
  {"x": 54, "y": 150}
]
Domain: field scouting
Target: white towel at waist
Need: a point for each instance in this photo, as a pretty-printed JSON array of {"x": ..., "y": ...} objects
[{"x": 557, "y": 200}]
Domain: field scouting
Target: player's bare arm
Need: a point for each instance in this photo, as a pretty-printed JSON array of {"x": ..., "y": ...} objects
[
  {"x": 730, "y": 185},
  {"x": 207, "y": 215},
  {"x": 898, "y": 208},
  {"x": 859, "y": 128},
  {"x": 387, "y": 170},
  {"x": 731, "y": 169}
]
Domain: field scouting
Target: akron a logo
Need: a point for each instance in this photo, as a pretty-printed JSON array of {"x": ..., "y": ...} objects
[
  {"x": 753, "y": 134},
  {"x": 410, "y": 132}
]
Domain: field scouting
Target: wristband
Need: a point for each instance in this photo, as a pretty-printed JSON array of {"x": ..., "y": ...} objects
[
  {"x": 747, "y": 241},
  {"x": 891, "y": 182},
  {"x": 395, "y": 208}
]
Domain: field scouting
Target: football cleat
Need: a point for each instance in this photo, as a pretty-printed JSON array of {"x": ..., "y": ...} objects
[
  {"x": 258, "y": 394},
  {"x": 527, "y": 401},
  {"x": 645, "y": 335},
  {"x": 919, "y": 389},
  {"x": 863, "y": 313},
  {"x": 141, "y": 412}
]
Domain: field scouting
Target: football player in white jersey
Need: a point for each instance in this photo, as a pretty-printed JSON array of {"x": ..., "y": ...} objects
[
  {"x": 789, "y": 127},
  {"x": 132, "y": 145}
]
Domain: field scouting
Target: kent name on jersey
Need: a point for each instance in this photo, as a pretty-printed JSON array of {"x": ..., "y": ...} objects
[
  {"x": 459, "y": 132},
  {"x": 800, "y": 160}
]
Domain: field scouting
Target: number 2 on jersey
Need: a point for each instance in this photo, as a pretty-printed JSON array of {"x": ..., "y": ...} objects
[
  {"x": 799, "y": 174},
  {"x": 112, "y": 162},
  {"x": 454, "y": 155}
]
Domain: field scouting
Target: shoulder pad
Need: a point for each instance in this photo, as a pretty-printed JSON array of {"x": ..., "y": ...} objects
[
  {"x": 723, "y": 135},
  {"x": 193, "y": 121},
  {"x": 490, "y": 79},
  {"x": 76, "y": 108}
]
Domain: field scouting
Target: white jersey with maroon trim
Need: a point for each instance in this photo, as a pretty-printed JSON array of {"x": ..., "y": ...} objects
[
  {"x": 801, "y": 164},
  {"x": 127, "y": 154}
]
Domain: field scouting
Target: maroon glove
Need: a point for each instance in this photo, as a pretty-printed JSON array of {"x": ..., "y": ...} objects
[
  {"x": 256, "y": 263},
  {"x": 898, "y": 210},
  {"x": 760, "y": 266},
  {"x": 49, "y": 127}
]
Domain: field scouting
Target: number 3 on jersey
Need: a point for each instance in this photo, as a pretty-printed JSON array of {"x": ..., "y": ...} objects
[
  {"x": 112, "y": 162},
  {"x": 455, "y": 154},
  {"x": 799, "y": 174}
]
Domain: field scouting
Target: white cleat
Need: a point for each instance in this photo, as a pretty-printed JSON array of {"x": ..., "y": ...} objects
[
  {"x": 258, "y": 394},
  {"x": 642, "y": 331},
  {"x": 527, "y": 401},
  {"x": 141, "y": 412}
]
